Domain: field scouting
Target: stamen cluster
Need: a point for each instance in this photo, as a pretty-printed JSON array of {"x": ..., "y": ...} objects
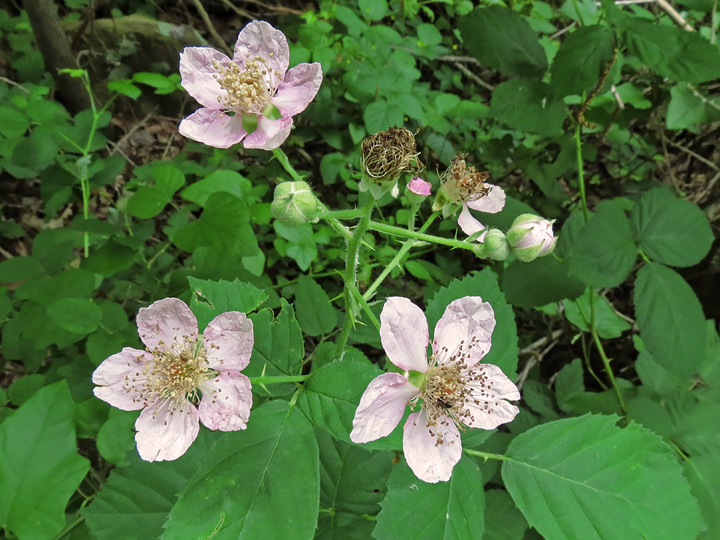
[
  {"x": 387, "y": 154},
  {"x": 463, "y": 183},
  {"x": 248, "y": 90}
]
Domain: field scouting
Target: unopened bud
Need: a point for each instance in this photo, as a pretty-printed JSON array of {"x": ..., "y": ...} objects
[
  {"x": 294, "y": 203},
  {"x": 531, "y": 237},
  {"x": 495, "y": 245}
]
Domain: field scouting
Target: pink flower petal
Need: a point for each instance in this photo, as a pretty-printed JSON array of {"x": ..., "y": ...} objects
[
  {"x": 259, "y": 38},
  {"x": 381, "y": 407},
  {"x": 270, "y": 134},
  {"x": 492, "y": 203},
  {"x": 465, "y": 328},
  {"x": 419, "y": 186},
  {"x": 431, "y": 462},
  {"x": 404, "y": 334},
  {"x": 491, "y": 393},
  {"x": 228, "y": 341},
  {"x": 213, "y": 127},
  {"x": 165, "y": 431},
  {"x": 196, "y": 68},
  {"x": 121, "y": 379},
  {"x": 470, "y": 225},
  {"x": 166, "y": 321},
  {"x": 298, "y": 89},
  {"x": 226, "y": 403}
]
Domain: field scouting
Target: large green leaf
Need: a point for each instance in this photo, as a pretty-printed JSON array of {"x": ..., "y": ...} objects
[
  {"x": 574, "y": 478},
  {"x": 669, "y": 230},
  {"x": 604, "y": 251},
  {"x": 502, "y": 39},
  {"x": 579, "y": 64},
  {"x": 279, "y": 348},
  {"x": 136, "y": 500},
  {"x": 75, "y": 315},
  {"x": 149, "y": 201},
  {"x": 528, "y": 105},
  {"x": 40, "y": 468},
  {"x": 674, "y": 53},
  {"x": 670, "y": 319},
  {"x": 217, "y": 182},
  {"x": 316, "y": 313},
  {"x": 503, "y": 521},
  {"x": 539, "y": 282},
  {"x": 263, "y": 482},
  {"x": 703, "y": 474},
  {"x": 608, "y": 323},
  {"x": 415, "y": 510},
  {"x": 504, "y": 350},
  {"x": 211, "y": 298}
]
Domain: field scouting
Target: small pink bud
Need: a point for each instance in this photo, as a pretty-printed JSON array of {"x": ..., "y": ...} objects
[{"x": 419, "y": 186}]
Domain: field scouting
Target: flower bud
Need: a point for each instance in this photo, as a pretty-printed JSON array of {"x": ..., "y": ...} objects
[
  {"x": 495, "y": 245},
  {"x": 294, "y": 203},
  {"x": 531, "y": 237}
]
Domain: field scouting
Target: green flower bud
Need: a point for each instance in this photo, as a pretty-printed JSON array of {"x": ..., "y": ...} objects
[
  {"x": 495, "y": 245},
  {"x": 531, "y": 237},
  {"x": 294, "y": 203}
]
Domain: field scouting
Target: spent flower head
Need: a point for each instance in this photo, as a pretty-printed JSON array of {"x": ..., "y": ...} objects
[
  {"x": 463, "y": 185},
  {"x": 251, "y": 98},
  {"x": 385, "y": 156},
  {"x": 453, "y": 389},
  {"x": 180, "y": 378}
]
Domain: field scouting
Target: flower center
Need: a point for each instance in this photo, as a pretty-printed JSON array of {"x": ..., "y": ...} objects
[
  {"x": 174, "y": 371},
  {"x": 463, "y": 183},
  {"x": 455, "y": 392},
  {"x": 249, "y": 89}
]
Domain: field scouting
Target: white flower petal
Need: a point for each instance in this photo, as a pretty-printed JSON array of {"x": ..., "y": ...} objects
[
  {"x": 431, "y": 462},
  {"x": 404, "y": 334},
  {"x": 491, "y": 409},
  {"x": 228, "y": 341},
  {"x": 197, "y": 71},
  {"x": 470, "y": 225},
  {"x": 121, "y": 380},
  {"x": 213, "y": 127},
  {"x": 164, "y": 322},
  {"x": 298, "y": 89},
  {"x": 465, "y": 329},
  {"x": 226, "y": 401},
  {"x": 269, "y": 134},
  {"x": 259, "y": 38},
  {"x": 491, "y": 203},
  {"x": 381, "y": 407},
  {"x": 165, "y": 431}
]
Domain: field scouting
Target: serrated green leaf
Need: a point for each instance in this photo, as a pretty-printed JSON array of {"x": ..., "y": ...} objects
[
  {"x": 579, "y": 64},
  {"x": 503, "y": 521},
  {"x": 502, "y": 39},
  {"x": 301, "y": 243},
  {"x": 504, "y": 350},
  {"x": 674, "y": 53},
  {"x": 604, "y": 251},
  {"x": 268, "y": 470},
  {"x": 539, "y": 282},
  {"x": 136, "y": 499},
  {"x": 211, "y": 298},
  {"x": 608, "y": 323},
  {"x": 415, "y": 510},
  {"x": 670, "y": 319},
  {"x": 315, "y": 311},
  {"x": 20, "y": 269},
  {"x": 710, "y": 369},
  {"x": 381, "y": 115},
  {"x": 528, "y": 105},
  {"x": 572, "y": 478},
  {"x": 333, "y": 392},
  {"x": 38, "y": 455},
  {"x": 75, "y": 315},
  {"x": 149, "y": 201},
  {"x": 669, "y": 230},
  {"x": 687, "y": 109},
  {"x": 217, "y": 182}
]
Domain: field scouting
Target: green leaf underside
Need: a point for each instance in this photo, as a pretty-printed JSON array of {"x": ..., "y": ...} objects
[
  {"x": 259, "y": 483},
  {"x": 573, "y": 478}
]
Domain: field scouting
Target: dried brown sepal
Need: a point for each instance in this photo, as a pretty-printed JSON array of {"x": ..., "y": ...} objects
[{"x": 387, "y": 154}]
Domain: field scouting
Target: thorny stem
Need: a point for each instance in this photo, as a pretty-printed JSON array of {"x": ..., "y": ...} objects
[
  {"x": 350, "y": 275},
  {"x": 407, "y": 246},
  {"x": 581, "y": 173},
  {"x": 486, "y": 455},
  {"x": 285, "y": 162},
  {"x": 398, "y": 231}
]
